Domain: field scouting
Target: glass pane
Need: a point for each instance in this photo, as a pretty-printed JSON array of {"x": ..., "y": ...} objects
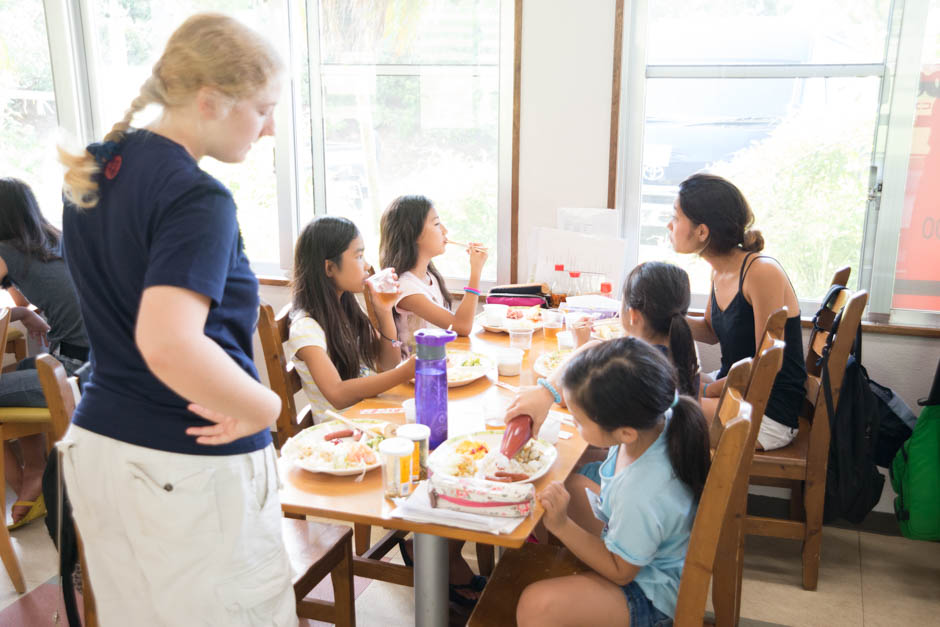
[
  {"x": 430, "y": 32},
  {"x": 917, "y": 279},
  {"x": 434, "y": 134},
  {"x": 28, "y": 122},
  {"x": 714, "y": 32},
  {"x": 131, "y": 35},
  {"x": 799, "y": 150}
]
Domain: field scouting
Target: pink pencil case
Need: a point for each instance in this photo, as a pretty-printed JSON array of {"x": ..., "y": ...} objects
[
  {"x": 515, "y": 300},
  {"x": 478, "y": 496}
]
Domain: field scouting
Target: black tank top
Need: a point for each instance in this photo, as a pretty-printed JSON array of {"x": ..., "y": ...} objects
[{"x": 735, "y": 330}]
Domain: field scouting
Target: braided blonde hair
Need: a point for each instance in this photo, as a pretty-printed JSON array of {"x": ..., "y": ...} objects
[{"x": 207, "y": 50}]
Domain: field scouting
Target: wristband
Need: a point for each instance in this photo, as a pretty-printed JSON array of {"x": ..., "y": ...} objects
[
  {"x": 545, "y": 383},
  {"x": 470, "y": 290},
  {"x": 705, "y": 391}
]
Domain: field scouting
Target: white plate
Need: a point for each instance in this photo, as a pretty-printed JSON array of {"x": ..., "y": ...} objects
[
  {"x": 292, "y": 448},
  {"x": 458, "y": 376},
  {"x": 492, "y": 440},
  {"x": 536, "y": 324},
  {"x": 547, "y": 363}
]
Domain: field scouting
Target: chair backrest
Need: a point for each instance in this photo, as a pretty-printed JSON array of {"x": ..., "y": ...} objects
[
  {"x": 58, "y": 392},
  {"x": 4, "y": 326},
  {"x": 711, "y": 517},
  {"x": 850, "y": 306},
  {"x": 763, "y": 374},
  {"x": 735, "y": 387},
  {"x": 773, "y": 330},
  {"x": 282, "y": 377}
]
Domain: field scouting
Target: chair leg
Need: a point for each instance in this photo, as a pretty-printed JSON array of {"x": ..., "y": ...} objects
[
  {"x": 796, "y": 501},
  {"x": 813, "y": 497},
  {"x": 88, "y": 596},
  {"x": 486, "y": 558},
  {"x": 7, "y": 554},
  {"x": 363, "y": 537},
  {"x": 344, "y": 596}
]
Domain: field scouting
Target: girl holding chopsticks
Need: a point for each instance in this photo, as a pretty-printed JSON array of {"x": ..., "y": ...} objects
[{"x": 412, "y": 234}]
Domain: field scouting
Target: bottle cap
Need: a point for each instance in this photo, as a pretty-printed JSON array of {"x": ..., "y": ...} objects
[
  {"x": 606, "y": 288},
  {"x": 559, "y": 267},
  {"x": 574, "y": 275},
  {"x": 396, "y": 447}
]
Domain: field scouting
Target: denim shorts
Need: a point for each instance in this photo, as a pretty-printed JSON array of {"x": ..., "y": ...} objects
[{"x": 642, "y": 612}]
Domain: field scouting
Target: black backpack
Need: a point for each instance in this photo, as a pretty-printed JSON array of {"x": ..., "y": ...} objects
[{"x": 853, "y": 483}]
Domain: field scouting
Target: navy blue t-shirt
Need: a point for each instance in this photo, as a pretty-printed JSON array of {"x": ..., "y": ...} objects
[{"x": 160, "y": 220}]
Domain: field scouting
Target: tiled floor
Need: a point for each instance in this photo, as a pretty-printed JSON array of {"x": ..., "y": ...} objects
[{"x": 865, "y": 579}]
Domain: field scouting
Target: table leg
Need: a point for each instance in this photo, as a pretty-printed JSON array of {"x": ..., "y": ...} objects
[{"x": 431, "y": 576}]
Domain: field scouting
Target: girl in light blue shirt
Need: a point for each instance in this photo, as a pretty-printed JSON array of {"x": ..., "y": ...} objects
[{"x": 623, "y": 395}]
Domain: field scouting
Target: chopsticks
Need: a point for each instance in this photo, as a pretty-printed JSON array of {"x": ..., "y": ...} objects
[
  {"x": 467, "y": 246},
  {"x": 352, "y": 425},
  {"x": 506, "y": 386}
]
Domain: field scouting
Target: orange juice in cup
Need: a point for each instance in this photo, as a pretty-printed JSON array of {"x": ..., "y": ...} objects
[
  {"x": 384, "y": 285},
  {"x": 553, "y": 321}
]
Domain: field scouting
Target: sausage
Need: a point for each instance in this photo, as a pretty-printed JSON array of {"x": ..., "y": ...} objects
[
  {"x": 499, "y": 479},
  {"x": 502, "y": 475},
  {"x": 335, "y": 435}
]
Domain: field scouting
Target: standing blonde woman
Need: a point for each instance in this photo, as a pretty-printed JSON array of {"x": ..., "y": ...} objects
[{"x": 169, "y": 462}]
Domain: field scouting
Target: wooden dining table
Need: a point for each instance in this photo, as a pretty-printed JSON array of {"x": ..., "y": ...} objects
[{"x": 345, "y": 499}]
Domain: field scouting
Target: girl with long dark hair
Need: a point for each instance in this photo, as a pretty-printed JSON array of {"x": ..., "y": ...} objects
[
  {"x": 623, "y": 394},
  {"x": 32, "y": 271},
  {"x": 334, "y": 346},
  {"x": 412, "y": 235}
]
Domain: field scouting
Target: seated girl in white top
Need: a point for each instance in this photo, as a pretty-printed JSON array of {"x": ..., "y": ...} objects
[
  {"x": 332, "y": 343},
  {"x": 412, "y": 235}
]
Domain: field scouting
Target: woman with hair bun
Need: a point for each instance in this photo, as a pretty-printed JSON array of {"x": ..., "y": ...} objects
[{"x": 712, "y": 219}]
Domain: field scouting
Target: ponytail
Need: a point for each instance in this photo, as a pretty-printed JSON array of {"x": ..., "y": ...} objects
[
  {"x": 687, "y": 443},
  {"x": 753, "y": 241},
  {"x": 682, "y": 351}
]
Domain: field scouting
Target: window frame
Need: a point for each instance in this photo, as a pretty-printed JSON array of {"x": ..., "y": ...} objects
[
  {"x": 71, "y": 44},
  {"x": 899, "y": 74}
]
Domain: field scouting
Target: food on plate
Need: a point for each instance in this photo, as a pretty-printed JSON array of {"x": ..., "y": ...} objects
[
  {"x": 472, "y": 448},
  {"x": 338, "y": 454},
  {"x": 608, "y": 331},
  {"x": 548, "y": 363},
  {"x": 334, "y": 448},
  {"x": 336, "y": 435}
]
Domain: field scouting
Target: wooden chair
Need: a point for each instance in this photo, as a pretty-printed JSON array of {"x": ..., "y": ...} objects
[
  {"x": 18, "y": 422},
  {"x": 61, "y": 402},
  {"x": 726, "y": 591},
  {"x": 283, "y": 378},
  {"x": 16, "y": 346},
  {"x": 801, "y": 466},
  {"x": 534, "y": 562}
]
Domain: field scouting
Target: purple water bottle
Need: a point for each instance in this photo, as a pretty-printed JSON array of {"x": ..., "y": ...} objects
[{"x": 431, "y": 381}]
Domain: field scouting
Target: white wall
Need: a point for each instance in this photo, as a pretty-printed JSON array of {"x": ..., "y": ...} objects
[{"x": 564, "y": 134}]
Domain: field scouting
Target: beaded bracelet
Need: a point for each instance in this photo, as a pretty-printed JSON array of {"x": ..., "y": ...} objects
[
  {"x": 471, "y": 290},
  {"x": 545, "y": 383}
]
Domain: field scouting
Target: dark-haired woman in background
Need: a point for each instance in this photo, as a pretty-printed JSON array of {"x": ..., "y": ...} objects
[
  {"x": 32, "y": 269},
  {"x": 334, "y": 346},
  {"x": 712, "y": 219}
]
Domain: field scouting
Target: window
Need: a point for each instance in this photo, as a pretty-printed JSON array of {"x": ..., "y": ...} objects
[
  {"x": 405, "y": 99},
  {"x": 28, "y": 120},
  {"x": 780, "y": 98},
  {"x": 125, "y": 38}
]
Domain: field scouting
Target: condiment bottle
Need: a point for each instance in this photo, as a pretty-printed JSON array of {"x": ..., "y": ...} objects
[{"x": 518, "y": 432}]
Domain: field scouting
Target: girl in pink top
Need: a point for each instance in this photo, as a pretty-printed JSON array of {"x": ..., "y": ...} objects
[{"x": 411, "y": 236}]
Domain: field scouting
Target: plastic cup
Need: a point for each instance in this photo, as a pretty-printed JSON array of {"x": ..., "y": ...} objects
[
  {"x": 409, "y": 407},
  {"x": 384, "y": 285},
  {"x": 509, "y": 362},
  {"x": 553, "y": 321},
  {"x": 565, "y": 341},
  {"x": 520, "y": 338},
  {"x": 495, "y": 314}
]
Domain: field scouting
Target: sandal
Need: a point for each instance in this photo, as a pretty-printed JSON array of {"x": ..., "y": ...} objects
[
  {"x": 37, "y": 509},
  {"x": 476, "y": 585}
]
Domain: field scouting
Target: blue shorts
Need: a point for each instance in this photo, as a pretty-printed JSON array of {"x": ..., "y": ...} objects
[
  {"x": 591, "y": 470},
  {"x": 642, "y": 612}
]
